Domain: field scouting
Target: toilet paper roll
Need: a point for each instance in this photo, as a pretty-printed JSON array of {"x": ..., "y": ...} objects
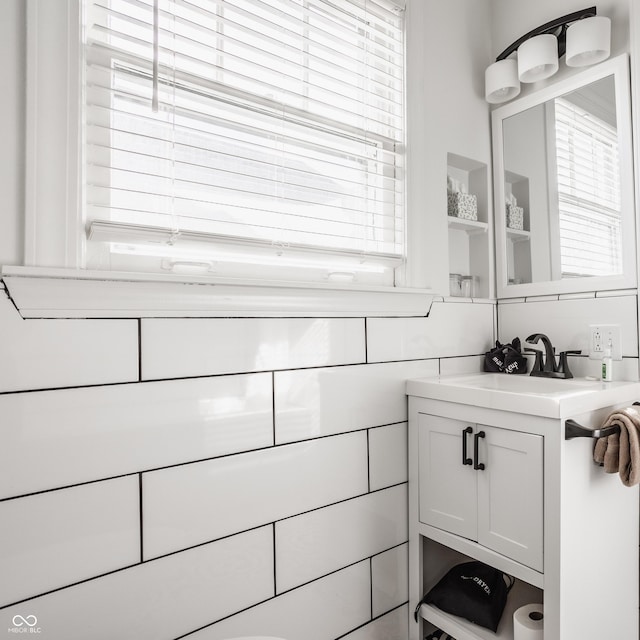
[{"x": 528, "y": 622}]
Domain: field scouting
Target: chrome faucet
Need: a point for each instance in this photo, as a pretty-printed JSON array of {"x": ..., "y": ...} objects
[{"x": 548, "y": 367}]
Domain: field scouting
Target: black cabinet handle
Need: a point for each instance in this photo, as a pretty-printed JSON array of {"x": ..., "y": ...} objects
[
  {"x": 465, "y": 459},
  {"x": 477, "y": 466}
]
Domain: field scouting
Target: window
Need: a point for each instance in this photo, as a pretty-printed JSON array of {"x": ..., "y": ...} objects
[
  {"x": 239, "y": 138},
  {"x": 588, "y": 192}
]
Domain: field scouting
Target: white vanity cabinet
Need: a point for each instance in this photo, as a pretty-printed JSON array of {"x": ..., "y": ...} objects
[
  {"x": 484, "y": 484},
  {"x": 492, "y": 478}
]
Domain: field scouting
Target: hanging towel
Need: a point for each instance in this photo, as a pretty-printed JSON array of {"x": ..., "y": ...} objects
[{"x": 620, "y": 452}]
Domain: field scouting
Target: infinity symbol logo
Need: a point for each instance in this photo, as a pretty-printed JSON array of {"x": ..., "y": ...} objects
[{"x": 30, "y": 621}]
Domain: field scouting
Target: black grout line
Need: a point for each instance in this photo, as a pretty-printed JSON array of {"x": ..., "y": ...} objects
[
  {"x": 215, "y": 540},
  {"x": 141, "y": 518},
  {"x": 366, "y": 343},
  {"x": 68, "y": 586},
  {"x": 139, "y": 349},
  {"x": 225, "y": 374},
  {"x": 370, "y": 588},
  {"x": 68, "y": 486},
  {"x": 273, "y": 407},
  {"x": 368, "y": 463},
  {"x": 402, "y": 604},
  {"x": 235, "y": 613},
  {"x": 275, "y": 577},
  {"x": 198, "y": 377},
  {"x": 295, "y": 515},
  {"x": 395, "y": 546},
  {"x": 200, "y": 460}
]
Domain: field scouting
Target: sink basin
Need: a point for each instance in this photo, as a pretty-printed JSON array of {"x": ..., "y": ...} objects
[
  {"x": 548, "y": 397},
  {"x": 529, "y": 384}
]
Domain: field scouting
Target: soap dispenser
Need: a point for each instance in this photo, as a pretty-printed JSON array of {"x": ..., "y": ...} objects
[{"x": 607, "y": 363}]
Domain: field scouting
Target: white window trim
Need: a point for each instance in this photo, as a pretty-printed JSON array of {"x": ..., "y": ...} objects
[
  {"x": 68, "y": 293},
  {"x": 53, "y": 284}
]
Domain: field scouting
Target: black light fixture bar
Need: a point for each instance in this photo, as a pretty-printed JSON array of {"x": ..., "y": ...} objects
[{"x": 551, "y": 27}]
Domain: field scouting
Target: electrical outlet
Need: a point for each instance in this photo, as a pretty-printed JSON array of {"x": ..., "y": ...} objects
[{"x": 599, "y": 337}]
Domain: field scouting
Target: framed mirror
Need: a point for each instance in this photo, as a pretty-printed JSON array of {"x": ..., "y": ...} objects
[{"x": 563, "y": 186}]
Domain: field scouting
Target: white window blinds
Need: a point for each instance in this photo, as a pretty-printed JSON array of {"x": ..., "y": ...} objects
[
  {"x": 246, "y": 127},
  {"x": 588, "y": 192}
]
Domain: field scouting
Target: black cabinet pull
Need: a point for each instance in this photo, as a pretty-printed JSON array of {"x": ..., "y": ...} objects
[
  {"x": 465, "y": 459},
  {"x": 477, "y": 466}
]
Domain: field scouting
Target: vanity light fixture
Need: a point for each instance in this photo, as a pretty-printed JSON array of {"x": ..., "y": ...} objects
[{"x": 584, "y": 36}]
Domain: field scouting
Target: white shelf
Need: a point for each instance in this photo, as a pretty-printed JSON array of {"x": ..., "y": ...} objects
[
  {"x": 518, "y": 235},
  {"x": 476, "y": 551},
  {"x": 470, "y": 226},
  {"x": 461, "y": 629}
]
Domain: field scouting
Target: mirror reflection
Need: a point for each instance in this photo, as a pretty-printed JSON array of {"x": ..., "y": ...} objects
[{"x": 562, "y": 187}]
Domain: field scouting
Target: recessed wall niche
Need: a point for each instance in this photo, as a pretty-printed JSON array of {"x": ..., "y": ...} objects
[{"x": 469, "y": 244}]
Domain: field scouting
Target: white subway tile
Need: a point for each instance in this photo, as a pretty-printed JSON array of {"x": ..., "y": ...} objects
[
  {"x": 50, "y": 540},
  {"x": 616, "y": 293},
  {"x": 43, "y": 354},
  {"x": 392, "y": 626},
  {"x": 387, "y": 455},
  {"x": 173, "y": 348},
  {"x": 159, "y": 600},
  {"x": 319, "y": 402},
  {"x": 468, "y": 364},
  {"x": 58, "y": 438},
  {"x": 321, "y": 541},
  {"x": 577, "y": 296},
  {"x": 456, "y": 300},
  {"x": 194, "y": 503},
  {"x": 322, "y": 610},
  {"x": 390, "y": 579},
  {"x": 549, "y": 298},
  {"x": 450, "y": 330},
  {"x": 566, "y": 322}
]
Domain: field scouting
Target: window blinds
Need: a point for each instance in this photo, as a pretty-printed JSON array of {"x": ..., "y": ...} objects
[
  {"x": 588, "y": 192},
  {"x": 262, "y": 123}
]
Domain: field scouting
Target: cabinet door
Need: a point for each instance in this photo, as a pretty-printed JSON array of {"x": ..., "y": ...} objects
[
  {"x": 448, "y": 495},
  {"x": 510, "y": 495}
]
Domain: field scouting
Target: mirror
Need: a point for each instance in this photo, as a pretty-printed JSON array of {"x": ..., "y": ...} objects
[{"x": 564, "y": 209}]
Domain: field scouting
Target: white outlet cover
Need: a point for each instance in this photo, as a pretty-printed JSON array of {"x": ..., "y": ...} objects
[{"x": 608, "y": 331}]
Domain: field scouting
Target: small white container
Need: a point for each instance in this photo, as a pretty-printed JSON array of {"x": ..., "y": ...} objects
[
  {"x": 455, "y": 284},
  {"x": 468, "y": 286},
  {"x": 607, "y": 364}
]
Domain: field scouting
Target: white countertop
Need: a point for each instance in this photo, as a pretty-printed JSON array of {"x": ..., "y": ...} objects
[{"x": 546, "y": 397}]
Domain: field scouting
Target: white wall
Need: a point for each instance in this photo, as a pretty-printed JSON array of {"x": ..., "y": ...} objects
[
  {"x": 12, "y": 114},
  {"x": 224, "y": 477},
  {"x": 446, "y": 113}
]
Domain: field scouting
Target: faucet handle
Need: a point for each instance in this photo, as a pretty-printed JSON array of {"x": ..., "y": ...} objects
[
  {"x": 537, "y": 365},
  {"x": 563, "y": 367}
]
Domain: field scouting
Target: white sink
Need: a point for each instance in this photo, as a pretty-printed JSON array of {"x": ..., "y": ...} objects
[{"x": 547, "y": 397}]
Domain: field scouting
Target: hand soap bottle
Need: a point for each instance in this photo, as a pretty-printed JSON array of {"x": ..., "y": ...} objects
[{"x": 607, "y": 364}]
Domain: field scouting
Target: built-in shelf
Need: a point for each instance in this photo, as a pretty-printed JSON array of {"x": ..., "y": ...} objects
[
  {"x": 472, "y": 227},
  {"x": 470, "y": 246},
  {"x": 518, "y": 235},
  {"x": 460, "y": 549},
  {"x": 461, "y": 629}
]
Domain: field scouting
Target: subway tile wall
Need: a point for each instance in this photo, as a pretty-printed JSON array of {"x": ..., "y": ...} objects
[
  {"x": 213, "y": 478},
  {"x": 566, "y": 321}
]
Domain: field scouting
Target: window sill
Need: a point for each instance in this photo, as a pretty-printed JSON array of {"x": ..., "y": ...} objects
[{"x": 65, "y": 293}]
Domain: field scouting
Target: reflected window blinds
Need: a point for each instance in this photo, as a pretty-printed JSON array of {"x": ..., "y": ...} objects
[{"x": 588, "y": 192}]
